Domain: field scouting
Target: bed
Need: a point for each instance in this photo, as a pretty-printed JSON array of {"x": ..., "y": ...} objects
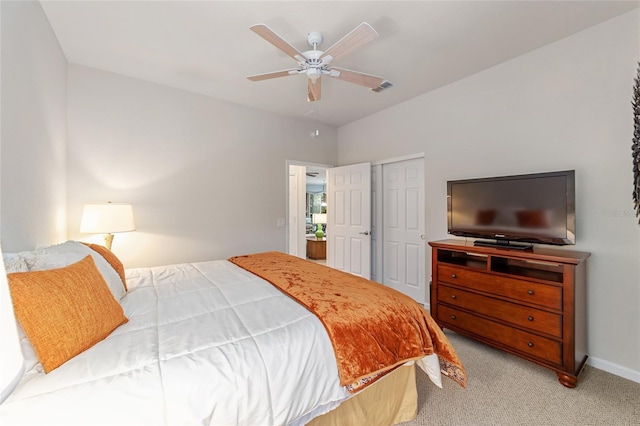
[{"x": 206, "y": 343}]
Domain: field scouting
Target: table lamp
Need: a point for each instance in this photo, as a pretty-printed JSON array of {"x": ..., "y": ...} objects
[
  {"x": 108, "y": 218},
  {"x": 319, "y": 219}
]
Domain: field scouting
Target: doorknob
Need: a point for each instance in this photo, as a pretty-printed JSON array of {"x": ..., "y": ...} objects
[
  {"x": 423, "y": 237},
  {"x": 364, "y": 233}
]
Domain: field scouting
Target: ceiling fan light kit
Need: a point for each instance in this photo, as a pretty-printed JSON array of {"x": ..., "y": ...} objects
[
  {"x": 313, "y": 74},
  {"x": 316, "y": 63}
]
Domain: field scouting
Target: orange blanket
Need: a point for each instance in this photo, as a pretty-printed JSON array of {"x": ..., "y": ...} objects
[{"x": 373, "y": 328}]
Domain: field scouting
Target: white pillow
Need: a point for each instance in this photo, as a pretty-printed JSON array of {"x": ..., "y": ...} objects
[
  {"x": 31, "y": 360},
  {"x": 67, "y": 253},
  {"x": 13, "y": 262}
]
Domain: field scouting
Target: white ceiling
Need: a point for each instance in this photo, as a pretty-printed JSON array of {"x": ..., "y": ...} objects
[{"x": 206, "y": 46}]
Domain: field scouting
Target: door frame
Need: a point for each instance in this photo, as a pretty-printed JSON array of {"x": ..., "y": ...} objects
[
  {"x": 287, "y": 195},
  {"x": 297, "y": 201}
]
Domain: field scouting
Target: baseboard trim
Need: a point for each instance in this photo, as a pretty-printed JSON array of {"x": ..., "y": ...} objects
[{"x": 612, "y": 368}]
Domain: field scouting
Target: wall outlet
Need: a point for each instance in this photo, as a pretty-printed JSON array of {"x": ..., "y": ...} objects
[{"x": 280, "y": 223}]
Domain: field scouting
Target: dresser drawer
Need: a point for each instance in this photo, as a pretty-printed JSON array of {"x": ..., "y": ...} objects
[
  {"x": 522, "y": 341},
  {"x": 526, "y": 291},
  {"x": 522, "y": 316}
]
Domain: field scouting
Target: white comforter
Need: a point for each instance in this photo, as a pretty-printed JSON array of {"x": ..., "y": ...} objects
[{"x": 206, "y": 343}]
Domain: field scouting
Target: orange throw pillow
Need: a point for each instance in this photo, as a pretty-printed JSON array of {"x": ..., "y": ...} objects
[
  {"x": 111, "y": 258},
  {"x": 64, "y": 311}
]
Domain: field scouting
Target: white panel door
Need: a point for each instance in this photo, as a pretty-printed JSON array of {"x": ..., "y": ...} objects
[
  {"x": 403, "y": 228},
  {"x": 349, "y": 219}
]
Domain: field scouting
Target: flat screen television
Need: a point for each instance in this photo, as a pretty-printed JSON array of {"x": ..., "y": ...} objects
[{"x": 532, "y": 208}]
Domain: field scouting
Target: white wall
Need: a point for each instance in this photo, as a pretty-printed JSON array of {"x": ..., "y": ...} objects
[
  {"x": 207, "y": 179},
  {"x": 33, "y": 136},
  {"x": 564, "y": 106}
]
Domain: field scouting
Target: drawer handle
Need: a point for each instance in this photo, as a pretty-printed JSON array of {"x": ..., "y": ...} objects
[
  {"x": 453, "y": 276},
  {"x": 530, "y": 292},
  {"x": 453, "y": 317},
  {"x": 530, "y": 318},
  {"x": 530, "y": 344},
  {"x": 453, "y": 296}
]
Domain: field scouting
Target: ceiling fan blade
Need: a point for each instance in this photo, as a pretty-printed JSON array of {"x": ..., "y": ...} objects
[
  {"x": 265, "y": 32},
  {"x": 361, "y": 35},
  {"x": 313, "y": 89},
  {"x": 366, "y": 80},
  {"x": 275, "y": 74}
]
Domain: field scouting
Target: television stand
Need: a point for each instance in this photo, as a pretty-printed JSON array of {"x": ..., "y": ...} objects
[
  {"x": 532, "y": 304},
  {"x": 503, "y": 244}
]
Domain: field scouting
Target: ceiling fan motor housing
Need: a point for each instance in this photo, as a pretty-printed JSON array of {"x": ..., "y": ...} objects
[{"x": 314, "y": 38}]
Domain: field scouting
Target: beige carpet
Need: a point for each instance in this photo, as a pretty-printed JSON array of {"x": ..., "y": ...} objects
[{"x": 503, "y": 389}]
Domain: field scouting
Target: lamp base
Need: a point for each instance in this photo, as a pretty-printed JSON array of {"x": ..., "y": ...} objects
[
  {"x": 319, "y": 232},
  {"x": 108, "y": 239}
]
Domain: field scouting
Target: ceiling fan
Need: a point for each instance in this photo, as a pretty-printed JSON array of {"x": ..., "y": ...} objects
[{"x": 315, "y": 63}]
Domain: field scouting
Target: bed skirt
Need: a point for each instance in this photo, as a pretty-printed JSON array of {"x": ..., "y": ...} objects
[{"x": 389, "y": 401}]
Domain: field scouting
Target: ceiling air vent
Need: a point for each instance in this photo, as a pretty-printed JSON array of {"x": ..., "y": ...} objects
[{"x": 383, "y": 86}]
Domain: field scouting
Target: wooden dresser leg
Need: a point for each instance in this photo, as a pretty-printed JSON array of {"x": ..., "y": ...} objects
[{"x": 566, "y": 380}]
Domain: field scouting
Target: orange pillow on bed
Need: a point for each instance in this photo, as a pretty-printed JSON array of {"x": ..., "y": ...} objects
[
  {"x": 112, "y": 259},
  {"x": 64, "y": 311}
]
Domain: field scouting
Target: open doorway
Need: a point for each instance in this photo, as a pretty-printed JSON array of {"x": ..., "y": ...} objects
[{"x": 306, "y": 210}]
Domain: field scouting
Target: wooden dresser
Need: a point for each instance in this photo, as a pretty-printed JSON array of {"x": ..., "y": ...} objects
[{"x": 529, "y": 303}]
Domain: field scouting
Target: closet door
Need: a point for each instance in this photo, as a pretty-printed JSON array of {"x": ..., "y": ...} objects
[{"x": 403, "y": 227}]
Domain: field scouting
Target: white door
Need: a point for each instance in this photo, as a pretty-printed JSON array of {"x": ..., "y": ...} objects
[
  {"x": 349, "y": 219},
  {"x": 403, "y": 228}
]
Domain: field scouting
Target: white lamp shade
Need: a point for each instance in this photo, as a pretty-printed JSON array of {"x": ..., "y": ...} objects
[
  {"x": 319, "y": 218},
  {"x": 107, "y": 218}
]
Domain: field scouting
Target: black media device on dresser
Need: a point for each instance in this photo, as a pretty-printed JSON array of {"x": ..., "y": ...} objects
[{"x": 531, "y": 303}]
